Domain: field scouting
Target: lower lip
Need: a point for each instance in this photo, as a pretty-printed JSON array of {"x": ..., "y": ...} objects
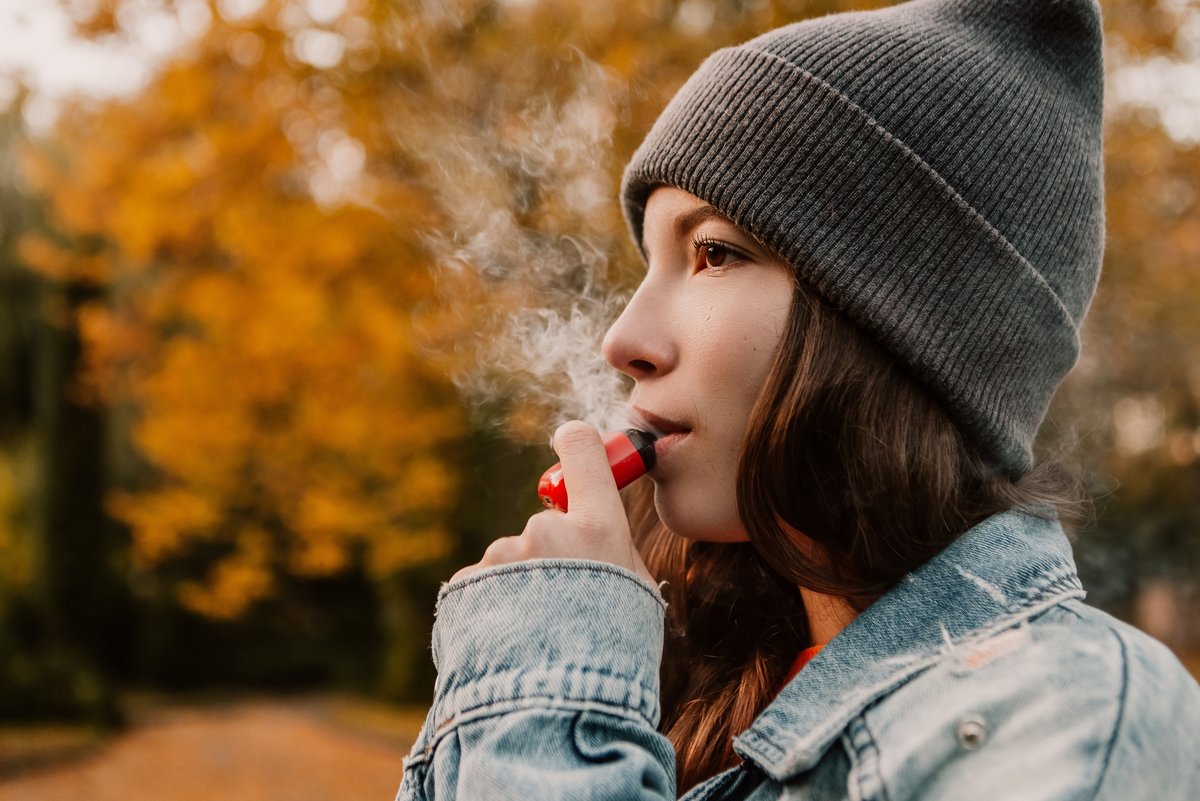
[{"x": 666, "y": 445}]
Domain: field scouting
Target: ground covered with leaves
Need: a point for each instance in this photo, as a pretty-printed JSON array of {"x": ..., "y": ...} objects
[{"x": 312, "y": 748}]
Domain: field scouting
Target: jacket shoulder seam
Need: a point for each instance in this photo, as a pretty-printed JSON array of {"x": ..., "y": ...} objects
[{"x": 1120, "y": 721}]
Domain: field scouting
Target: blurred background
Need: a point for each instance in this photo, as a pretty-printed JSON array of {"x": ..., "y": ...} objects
[{"x": 259, "y": 263}]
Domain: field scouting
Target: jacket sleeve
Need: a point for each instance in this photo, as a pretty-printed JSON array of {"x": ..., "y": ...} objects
[{"x": 547, "y": 688}]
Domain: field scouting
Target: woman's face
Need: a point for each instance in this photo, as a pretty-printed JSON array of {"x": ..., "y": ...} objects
[{"x": 699, "y": 337}]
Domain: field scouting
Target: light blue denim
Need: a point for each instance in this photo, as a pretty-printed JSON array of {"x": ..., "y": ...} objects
[{"x": 981, "y": 675}]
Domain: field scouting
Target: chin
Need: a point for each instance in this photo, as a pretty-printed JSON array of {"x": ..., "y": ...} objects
[{"x": 693, "y": 519}]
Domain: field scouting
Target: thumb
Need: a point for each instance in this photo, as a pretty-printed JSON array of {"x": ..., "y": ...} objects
[{"x": 588, "y": 477}]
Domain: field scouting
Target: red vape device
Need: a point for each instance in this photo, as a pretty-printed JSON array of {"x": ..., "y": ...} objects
[{"x": 630, "y": 455}]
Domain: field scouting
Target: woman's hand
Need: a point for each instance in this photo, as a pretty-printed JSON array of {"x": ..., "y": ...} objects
[{"x": 595, "y": 528}]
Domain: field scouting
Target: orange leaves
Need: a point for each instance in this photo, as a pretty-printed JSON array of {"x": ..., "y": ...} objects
[
  {"x": 165, "y": 520},
  {"x": 185, "y": 93},
  {"x": 47, "y": 257},
  {"x": 263, "y": 340},
  {"x": 236, "y": 582},
  {"x": 403, "y": 548}
]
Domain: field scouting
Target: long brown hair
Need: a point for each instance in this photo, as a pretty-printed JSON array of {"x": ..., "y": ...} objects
[{"x": 846, "y": 447}]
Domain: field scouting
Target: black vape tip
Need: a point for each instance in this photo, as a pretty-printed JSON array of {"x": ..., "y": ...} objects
[{"x": 643, "y": 441}]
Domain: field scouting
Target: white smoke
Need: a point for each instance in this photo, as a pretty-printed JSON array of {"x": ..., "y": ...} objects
[{"x": 524, "y": 184}]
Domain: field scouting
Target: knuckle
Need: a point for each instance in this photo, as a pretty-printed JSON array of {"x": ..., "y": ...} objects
[
  {"x": 499, "y": 551},
  {"x": 534, "y": 527},
  {"x": 538, "y": 521},
  {"x": 463, "y": 573},
  {"x": 540, "y": 528}
]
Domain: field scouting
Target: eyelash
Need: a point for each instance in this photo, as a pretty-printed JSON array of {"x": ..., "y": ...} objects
[{"x": 700, "y": 243}]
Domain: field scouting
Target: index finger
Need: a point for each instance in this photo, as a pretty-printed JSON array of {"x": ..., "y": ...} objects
[{"x": 588, "y": 477}]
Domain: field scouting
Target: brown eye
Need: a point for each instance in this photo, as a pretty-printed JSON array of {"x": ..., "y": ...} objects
[{"x": 714, "y": 255}]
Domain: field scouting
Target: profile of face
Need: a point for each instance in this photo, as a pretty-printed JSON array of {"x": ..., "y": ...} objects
[{"x": 698, "y": 338}]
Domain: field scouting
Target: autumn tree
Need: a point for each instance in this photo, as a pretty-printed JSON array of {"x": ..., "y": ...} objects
[
  {"x": 60, "y": 636},
  {"x": 253, "y": 323}
]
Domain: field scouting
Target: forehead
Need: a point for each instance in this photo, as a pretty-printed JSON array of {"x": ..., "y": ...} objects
[
  {"x": 672, "y": 213},
  {"x": 670, "y": 204}
]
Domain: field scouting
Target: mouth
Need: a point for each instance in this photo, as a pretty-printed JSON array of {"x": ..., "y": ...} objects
[
  {"x": 669, "y": 432},
  {"x": 659, "y": 426}
]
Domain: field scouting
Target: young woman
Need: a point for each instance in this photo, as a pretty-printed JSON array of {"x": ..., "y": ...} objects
[{"x": 870, "y": 242}]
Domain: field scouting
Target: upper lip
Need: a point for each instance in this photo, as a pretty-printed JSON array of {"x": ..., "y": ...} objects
[{"x": 662, "y": 426}]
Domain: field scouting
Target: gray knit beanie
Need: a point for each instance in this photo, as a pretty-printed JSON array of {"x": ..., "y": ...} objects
[{"x": 933, "y": 169}]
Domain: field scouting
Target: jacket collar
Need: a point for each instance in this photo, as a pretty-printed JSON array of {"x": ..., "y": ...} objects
[{"x": 998, "y": 573}]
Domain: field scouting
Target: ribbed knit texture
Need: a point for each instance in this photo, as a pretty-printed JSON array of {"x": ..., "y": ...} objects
[{"x": 933, "y": 169}]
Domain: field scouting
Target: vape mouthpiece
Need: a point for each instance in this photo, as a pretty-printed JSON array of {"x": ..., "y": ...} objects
[{"x": 630, "y": 455}]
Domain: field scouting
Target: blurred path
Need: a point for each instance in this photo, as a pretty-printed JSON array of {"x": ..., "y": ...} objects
[{"x": 250, "y": 751}]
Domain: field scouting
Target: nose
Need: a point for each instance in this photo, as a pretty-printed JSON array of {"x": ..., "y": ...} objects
[{"x": 639, "y": 343}]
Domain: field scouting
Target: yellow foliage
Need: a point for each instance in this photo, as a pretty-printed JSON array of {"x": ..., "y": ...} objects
[
  {"x": 426, "y": 482},
  {"x": 262, "y": 335},
  {"x": 400, "y": 548},
  {"x": 45, "y": 256},
  {"x": 234, "y": 583},
  {"x": 165, "y": 520}
]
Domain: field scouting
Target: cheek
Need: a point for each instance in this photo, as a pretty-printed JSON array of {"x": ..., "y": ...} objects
[
  {"x": 730, "y": 344},
  {"x": 739, "y": 349}
]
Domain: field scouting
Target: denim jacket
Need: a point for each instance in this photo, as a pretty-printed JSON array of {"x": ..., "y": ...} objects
[{"x": 982, "y": 674}]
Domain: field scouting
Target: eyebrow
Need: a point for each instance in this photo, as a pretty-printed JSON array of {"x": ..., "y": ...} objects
[{"x": 684, "y": 223}]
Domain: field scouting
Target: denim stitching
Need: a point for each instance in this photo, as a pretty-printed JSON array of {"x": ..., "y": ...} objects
[
  {"x": 1112, "y": 742},
  {"x": 883, "y": 792},
  {"x": 535, "y": 565},
  {"x": 530, "y": 703}
]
